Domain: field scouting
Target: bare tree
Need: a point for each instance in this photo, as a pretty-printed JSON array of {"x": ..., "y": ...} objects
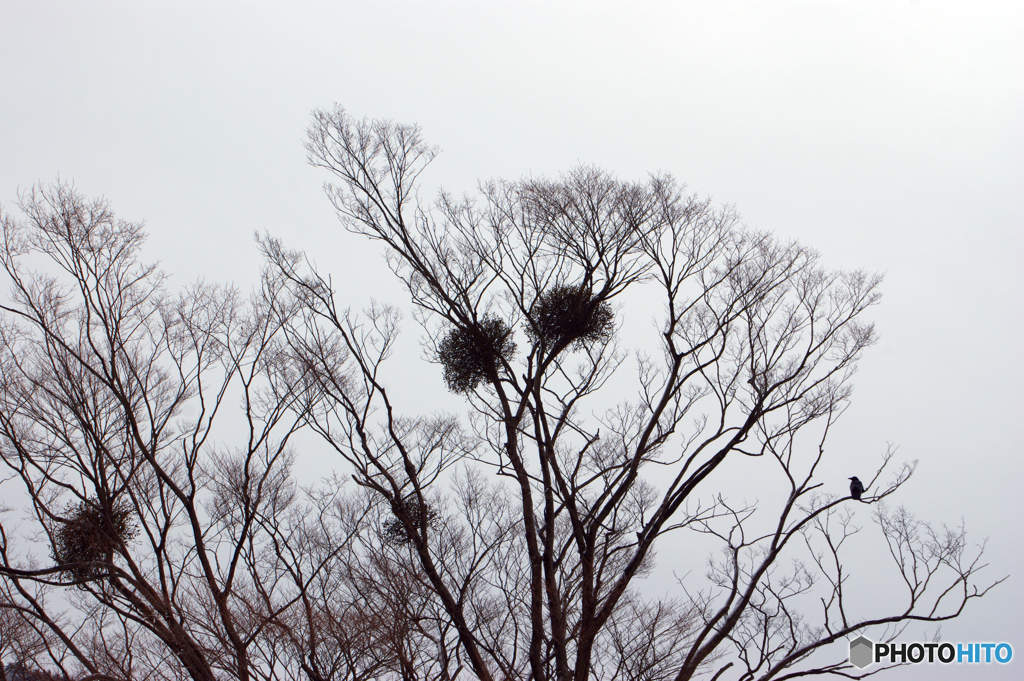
[
  {"x": 517, "y": 289},
  {"x": 165, "y": 537},
  {"x": 150, "y": 437},
  {"x": 98, "y": 363}
]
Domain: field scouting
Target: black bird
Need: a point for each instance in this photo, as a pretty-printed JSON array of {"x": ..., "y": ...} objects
[{"x": 856, "y": 488}]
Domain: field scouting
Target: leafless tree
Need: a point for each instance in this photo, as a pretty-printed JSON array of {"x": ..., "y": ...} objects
[
  {"x": 98, "y": 363},
  {"x": 535, "y": 571},
  {"x": 153, "y": 528},
  {"x": 166, "y": 538}
]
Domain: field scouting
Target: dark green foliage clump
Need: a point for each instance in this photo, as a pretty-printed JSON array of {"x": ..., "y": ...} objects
[
  {"x": 471, "y": 354},
  {"x": 88, "y": 535},
  {"x": 394, "y": 529},
  {"x": 570, "y": 315}
]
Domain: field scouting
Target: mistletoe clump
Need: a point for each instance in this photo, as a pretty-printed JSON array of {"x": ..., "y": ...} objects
[
  {"x": 90, "y": 534},
  {"x": 571, "y": 315},
  {"x": 470, "y": 354},
  {"x": 394, "y": 529}
]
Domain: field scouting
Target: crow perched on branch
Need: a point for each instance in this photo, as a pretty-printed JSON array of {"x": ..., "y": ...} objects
[{"x": 856, "y": 488}]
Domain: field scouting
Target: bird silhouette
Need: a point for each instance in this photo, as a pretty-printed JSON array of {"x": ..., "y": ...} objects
[{"x": 856, "y": 488}]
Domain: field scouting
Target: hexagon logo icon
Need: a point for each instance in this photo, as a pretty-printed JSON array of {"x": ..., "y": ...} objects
[{"x": 861, "y": 652}]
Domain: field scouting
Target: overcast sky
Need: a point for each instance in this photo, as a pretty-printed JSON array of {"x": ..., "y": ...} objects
[{"x": 887, "y": 135}]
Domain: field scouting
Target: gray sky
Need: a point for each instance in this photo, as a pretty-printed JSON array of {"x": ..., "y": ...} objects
[{"x": 888, "y": 135}]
